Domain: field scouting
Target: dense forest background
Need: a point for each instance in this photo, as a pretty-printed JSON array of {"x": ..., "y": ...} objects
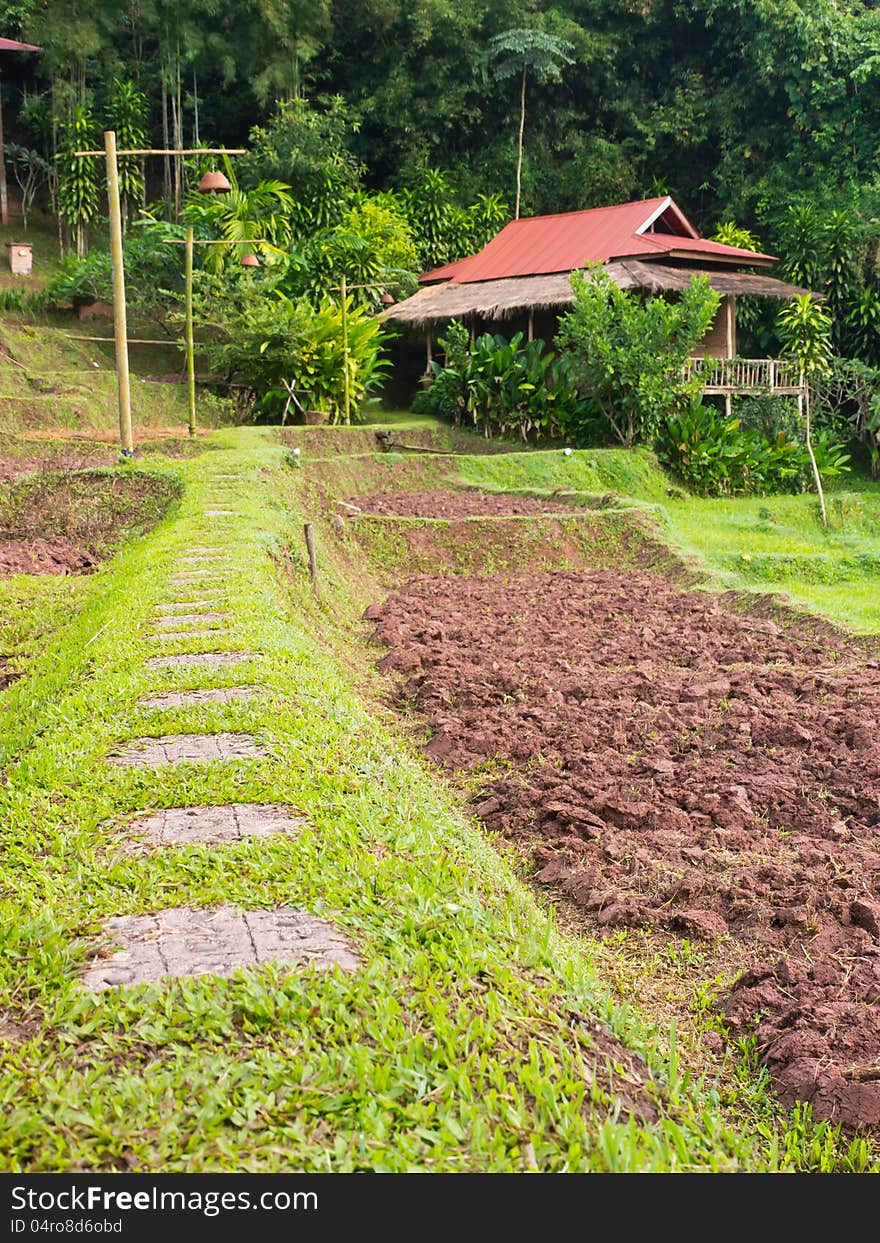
[{"x": 736, "y": 107}]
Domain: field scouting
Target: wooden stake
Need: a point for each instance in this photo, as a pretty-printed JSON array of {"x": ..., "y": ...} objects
[
  {"x": 120, "y": 326},
  {"x": 190, "y": 348},
  {"x": 313, "y": 560}
]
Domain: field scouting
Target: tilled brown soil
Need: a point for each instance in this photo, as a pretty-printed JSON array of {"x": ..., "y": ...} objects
[
  {"x": 448, "y": 503},
  {"x": 44, "y": 556},
  {"x": 676, "y": 764}
]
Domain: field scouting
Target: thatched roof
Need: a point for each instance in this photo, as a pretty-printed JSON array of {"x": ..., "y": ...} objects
[{"x": 510, "y": 295}]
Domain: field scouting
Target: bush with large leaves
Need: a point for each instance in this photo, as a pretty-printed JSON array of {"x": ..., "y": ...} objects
[
  {"x": 289, "y": 353},
  {"x": 503, "y": 387},
  {"x": 715, "y": 455}
]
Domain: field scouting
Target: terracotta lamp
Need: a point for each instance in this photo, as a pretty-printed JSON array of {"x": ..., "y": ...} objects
[
  {"x": 214, "y": 182},
  {"x": 249, "y": 261}
]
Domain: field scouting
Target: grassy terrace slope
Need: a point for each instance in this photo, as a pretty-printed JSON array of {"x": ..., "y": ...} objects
[{"x": 470, "y": 1038}]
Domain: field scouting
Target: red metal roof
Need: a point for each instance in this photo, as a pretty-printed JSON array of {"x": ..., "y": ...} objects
[
  {"x": 539, "y": 245},
  {"x": 12, "y": 45}
]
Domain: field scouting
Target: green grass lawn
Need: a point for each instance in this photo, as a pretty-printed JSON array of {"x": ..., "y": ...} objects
[{"x": 778, "y": 544}]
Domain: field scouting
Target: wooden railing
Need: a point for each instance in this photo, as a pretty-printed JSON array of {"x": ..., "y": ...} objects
[{"x": 744, "y": 375}]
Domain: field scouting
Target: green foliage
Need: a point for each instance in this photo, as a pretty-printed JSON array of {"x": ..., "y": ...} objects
[
  {"x": 714, "y": 455},
  {"x": 247, "y": 218},
  {"x": 805, "y": 329},
  {"x": 30, "y": 171},
  {"x": 154, "y": 271},
  {"x": 288, "y": 352},
  {"x": 730, "y": 234},
  {"x": 306, "y": 146},
  {"x": 127, "y": 115},
  {"x": 444, "y": 230},
  {"x": 78, "y": 176},
  {"x": 504, "y": 388},
  {"x": 627, "y": 353}
]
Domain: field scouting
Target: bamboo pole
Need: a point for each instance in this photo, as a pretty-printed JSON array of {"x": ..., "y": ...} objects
[
  {"x": 120, "y": 325},
  {"x": 190, "y": 348},
  {"x": 346, "y": 380}
]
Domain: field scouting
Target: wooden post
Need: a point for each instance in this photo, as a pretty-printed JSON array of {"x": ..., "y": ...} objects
[
  {"x": 190, "y": 348},
  {"x": 429, "y": 344},
  {"x": 346, "y": 379},
  {"x": 310, "y": 548},
  {"x": 731, "y": 326},
  {"x": 120, "y": 327},
  {"x": 531, "y": 324},
  {"x": 4, "y": 197}
]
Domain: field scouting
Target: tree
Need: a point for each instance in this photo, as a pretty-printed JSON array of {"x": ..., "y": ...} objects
[
  {"x": 78, "y": 176},
  {"x": 515, "y": 53},
  {"x": 30, "y": 171},
  {"x": 805, "y": 329},
  {"x": 628, "y": 353},
  {"x": 248, "y": 218},
  {"x": 126, "y": 114}
]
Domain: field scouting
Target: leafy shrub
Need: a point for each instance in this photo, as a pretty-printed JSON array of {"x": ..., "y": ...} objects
[
  {"x": 288, "y": 353},
  {"x": 505, "y": 388},
  {"x": 628, "y": 352},
  {"x": 714, "y": 455}
]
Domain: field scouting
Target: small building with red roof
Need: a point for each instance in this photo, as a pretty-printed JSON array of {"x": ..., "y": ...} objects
[{"x": 520, "y": 280}]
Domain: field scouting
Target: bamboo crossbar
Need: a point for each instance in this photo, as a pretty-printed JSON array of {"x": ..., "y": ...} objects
[
  {"x": 171, "y": 151},
  {"x": 131, "y": 340}
]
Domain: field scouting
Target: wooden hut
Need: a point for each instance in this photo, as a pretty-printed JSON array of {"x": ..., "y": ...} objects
[{"x": 519, "y": 281}]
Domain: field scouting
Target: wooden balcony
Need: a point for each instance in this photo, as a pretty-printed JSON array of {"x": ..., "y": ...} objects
[{"x": 729, "y": 376}]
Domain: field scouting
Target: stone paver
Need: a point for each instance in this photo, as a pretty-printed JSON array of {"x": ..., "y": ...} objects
[
  {"x": 213, "y": 659},
  {"x": 175, "y": 826},
  {"x": 192, "y": 699},
  {"x": 197, "y": 581},
  {"x": 186, "y": 942},
  {"x": 188, "y": 619},
  {"x": 197, "y": 632},
  {"x": 203, "y": 558},
  {"x": 220, "y": 513},
  {"x": 206, "y": 600},
  {"x": 188, "y": 749}
]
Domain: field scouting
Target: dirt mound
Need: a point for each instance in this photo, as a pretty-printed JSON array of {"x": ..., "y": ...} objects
[
  {"x": 448, "y": 503},
  {"x": 677, "y": 764},
  {"x": 44, "y": 556}
]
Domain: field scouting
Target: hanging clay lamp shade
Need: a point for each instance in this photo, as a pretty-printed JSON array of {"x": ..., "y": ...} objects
[
  {"x": 249, "y": 261},
  {"x": 214, "y": 182},
  {"x": 387, "y": 299}
]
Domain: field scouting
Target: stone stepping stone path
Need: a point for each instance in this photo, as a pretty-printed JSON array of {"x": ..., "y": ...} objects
[
  {"x": 189, "y": 606},
  {"x": 176, "y": 826},
  {"x": 187, "y": 942},
  {"x": 188, "y": 749},
  {"x": 203, "y": 558},
  {"x": 189, "y": 619},
  {"x": 216, "y": 660},
  {"x": 195, "y": 633},
  {"x": 196, "y": 580},
  {"x": 192, "y": 699},
  {"x": 220, "y": 513}
]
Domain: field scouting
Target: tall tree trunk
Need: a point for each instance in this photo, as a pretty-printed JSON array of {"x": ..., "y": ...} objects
[{"x": 519, "y": 155}]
